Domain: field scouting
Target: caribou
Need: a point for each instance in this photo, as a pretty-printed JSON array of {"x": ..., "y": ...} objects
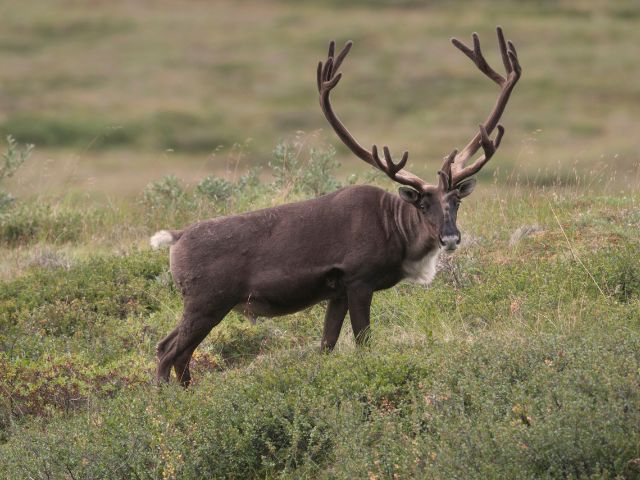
[{"x": 339, "y": 248}]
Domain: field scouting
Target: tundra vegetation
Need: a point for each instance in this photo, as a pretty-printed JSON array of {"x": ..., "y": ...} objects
[{"x": 521, "y": 360}]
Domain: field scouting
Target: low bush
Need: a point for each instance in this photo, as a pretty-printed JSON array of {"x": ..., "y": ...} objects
[
  {"x": 521, "y": 360},
  {"x": 12, "y": 160},
  {"x": 495, "y": 407},
  {"x": 298, "y": 168},
  {"x": 215, "y": 189},
  {"x": 36, "y": 221}
]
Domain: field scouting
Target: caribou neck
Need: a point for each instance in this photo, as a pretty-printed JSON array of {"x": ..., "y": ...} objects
[{"x": 418, "y": 233}]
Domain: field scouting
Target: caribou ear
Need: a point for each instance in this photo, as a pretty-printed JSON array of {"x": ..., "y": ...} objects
[
  {"x": 466, "y": 187},
  {"x": 409, "y": 195}
]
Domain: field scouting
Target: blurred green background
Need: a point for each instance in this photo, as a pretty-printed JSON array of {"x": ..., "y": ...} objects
[{"x": 117, "y": 93}]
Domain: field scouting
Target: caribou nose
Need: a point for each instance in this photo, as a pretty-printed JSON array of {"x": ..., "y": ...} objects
[{"x": 450, "y": 242}]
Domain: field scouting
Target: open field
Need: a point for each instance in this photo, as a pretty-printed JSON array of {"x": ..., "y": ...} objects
[
  {"x": 521, "y": 360},
  {"x": 116, "y": 94}
]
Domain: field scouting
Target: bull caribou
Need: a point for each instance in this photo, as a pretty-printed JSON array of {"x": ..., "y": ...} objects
[{"x": 340, "y": 248}]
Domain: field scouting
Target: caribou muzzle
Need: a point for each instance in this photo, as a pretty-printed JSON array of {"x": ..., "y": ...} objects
[{"x": 450, "y": 242}]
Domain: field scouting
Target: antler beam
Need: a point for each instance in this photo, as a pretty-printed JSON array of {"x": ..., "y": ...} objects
[
  {"x": 327, "y": 78},
  {"x": 459, "y": 169}
]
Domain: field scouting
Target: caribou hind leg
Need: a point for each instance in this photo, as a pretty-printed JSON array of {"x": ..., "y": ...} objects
[
  {"x": 178, "y": 347},
  {"x": 162, "y": 346},
  {"x": 181, "y": 367}
]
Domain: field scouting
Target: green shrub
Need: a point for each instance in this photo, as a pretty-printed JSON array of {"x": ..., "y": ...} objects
[
  {"x": 312, "y": 175},
  {"x": 495, "y": 408},
  {"x": 250, "y": 180},
  {"x": 11, "y": 161},
  {"x": 519, "y": 361},
  {"x": 68, "y": 333},
  {"x": 317, "y": 176},
  {"x": 49, "y": 302},
  {"x": 618, "y": 270},
  {"x": 35, "y": 221},
  {"x": 163, "y": 193},
  {"x": 285, "y": 165},
  {"x": 215, "y": 189}
]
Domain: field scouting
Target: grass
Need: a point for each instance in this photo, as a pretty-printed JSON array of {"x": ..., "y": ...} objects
[{"x": 521, "y": 360}]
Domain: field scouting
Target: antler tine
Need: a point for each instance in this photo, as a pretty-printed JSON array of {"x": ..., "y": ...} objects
[
  {"x": 459, "y": 170},
  {"x": 343, "y": 53},
  {"x": 503, "y": 51},
  {"x": 389, "y": 166},
  {"x": 477, "y": 57},
  {"x": 446, "y": 166},
  {"x": 444, "y": 173},
  {"x": 327, "y": 79},
  {"x": 489, "y": 147},
  {"x": 395, "y": 167}
]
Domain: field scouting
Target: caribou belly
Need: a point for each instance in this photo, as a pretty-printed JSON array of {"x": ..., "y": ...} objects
[{"x": 421, "y": 271}]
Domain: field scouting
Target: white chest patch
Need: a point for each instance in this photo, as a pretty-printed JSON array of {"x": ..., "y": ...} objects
[{"x": 421, "y": 271}]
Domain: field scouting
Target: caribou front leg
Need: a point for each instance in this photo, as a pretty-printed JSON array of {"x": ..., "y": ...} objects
[
  {"x": 359, "y": 300},
  {"x": 333, "y": 319}
]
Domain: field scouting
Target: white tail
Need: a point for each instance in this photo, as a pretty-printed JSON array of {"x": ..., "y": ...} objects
[{"x": 162, "y": 238}]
